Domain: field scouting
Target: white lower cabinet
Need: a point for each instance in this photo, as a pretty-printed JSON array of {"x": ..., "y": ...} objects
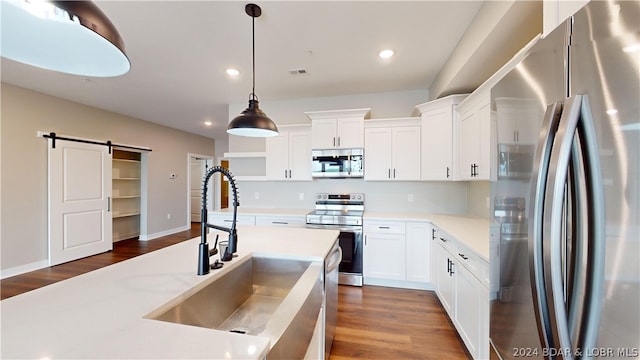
[
  {"x": 418, "y": 251},
  {"x": 384, "y": 256},
  {"x": 463, "y": 293},
  {"x": 397, "y": 253},
  {"x": 472, "y": 303},
  {"x": 446, "y": 281}
]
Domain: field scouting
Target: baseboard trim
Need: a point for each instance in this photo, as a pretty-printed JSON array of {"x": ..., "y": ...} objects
[
  {"x": 18, "y": 270},
  {"x": 402, "y": 284},
  {"x": 148, "y": 237}
]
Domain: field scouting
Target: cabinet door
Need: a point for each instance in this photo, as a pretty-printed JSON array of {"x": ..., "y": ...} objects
[
  {"x": 446, "y": 281},
  {"x": 406, "y": 153},
  {"x": 418, "y": 252},
  {"x": 350, "y": 133},
  {"x": 323, "y": 134},
  {"x": 433, "y": 264},
  {"x": 278, "y": 156},
  {"x": 437, "y": 144},
  {"x": 377, "y": 154},
  {"x": 384, "y": 256},
  {"x": 486, "y": 158},
  {"x": 469, "y": 143},
  {"x": 471, "y": 305},
  {"x": 300, "y": 155}
]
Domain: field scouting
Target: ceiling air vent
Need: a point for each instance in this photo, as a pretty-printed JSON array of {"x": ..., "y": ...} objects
[{"x": 298, "y": 71}]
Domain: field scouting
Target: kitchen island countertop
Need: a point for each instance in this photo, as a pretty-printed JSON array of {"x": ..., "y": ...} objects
[{"x": 100, "y": 314}]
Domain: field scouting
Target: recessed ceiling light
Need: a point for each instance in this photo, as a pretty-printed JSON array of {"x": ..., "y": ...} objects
[
  {"x": 631, "y": 48},
  {"x": 385, "y": 54},
  {"x": 612, "y": 111},
  {"x": 233, "y": 72},
  {"x": 208, "y": 123}
]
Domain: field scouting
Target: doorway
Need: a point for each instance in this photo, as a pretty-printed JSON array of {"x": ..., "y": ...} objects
[
  {"x": 198, "y": 166},
  {"x": 224, "y": 187}
]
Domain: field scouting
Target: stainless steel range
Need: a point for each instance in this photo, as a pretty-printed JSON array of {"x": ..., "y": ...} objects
[{"x": 342, "y": 212}]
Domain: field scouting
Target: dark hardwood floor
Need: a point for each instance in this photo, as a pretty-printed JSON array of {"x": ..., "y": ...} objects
[
  {"x": 122, "y": 250},
  {"x": 387, "y": 323},
  {"x": 373, "y": 322}
]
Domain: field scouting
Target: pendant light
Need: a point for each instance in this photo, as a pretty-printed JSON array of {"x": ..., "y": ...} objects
[
  {"x": 72, "y": 37},
  {"x": 253, "y": 122}
]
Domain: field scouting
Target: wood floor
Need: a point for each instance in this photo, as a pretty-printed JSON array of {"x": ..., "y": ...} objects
[{"x": 373, "y": 322}]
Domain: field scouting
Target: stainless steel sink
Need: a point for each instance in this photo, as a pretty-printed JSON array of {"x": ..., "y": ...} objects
[{"x": 272, "y": 297}]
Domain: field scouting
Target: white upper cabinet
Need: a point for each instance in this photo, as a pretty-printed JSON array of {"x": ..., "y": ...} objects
[
  {"x": 392, "y": 149},
  {"x": 555, "y": 12},
  {"x": 337, "y": 129},
  {"x": 438, "y": 147},
  {"x": 289, "y": 154},
  {"x": 476, "y": 136}
]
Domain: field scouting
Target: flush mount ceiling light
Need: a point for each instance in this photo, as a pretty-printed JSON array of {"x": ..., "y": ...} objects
[
  {"x": 385, "y": 54},
  {"x": 253, "y": 122},
  {"x": 72, "y": 37}
]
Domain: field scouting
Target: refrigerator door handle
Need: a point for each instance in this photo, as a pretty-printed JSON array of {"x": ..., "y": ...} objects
[
  {"x": 538, "y": 187},
  {"x": 576, "y": 141},
  {"x": 595, "y": 230},
  {"x": 553, "y": 225}
]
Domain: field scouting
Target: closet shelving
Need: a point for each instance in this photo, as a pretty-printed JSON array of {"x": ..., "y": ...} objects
[{"x": 126, "y": 172}]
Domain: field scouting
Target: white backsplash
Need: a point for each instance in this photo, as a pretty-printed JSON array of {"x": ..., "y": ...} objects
[{"x": 428, "y": 197}]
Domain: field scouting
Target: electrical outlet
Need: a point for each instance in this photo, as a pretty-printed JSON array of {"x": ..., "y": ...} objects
[
  {"x": 410, "y": 198},
  {"x": 168, "y": 216},
  {"x": 301, "y": 196},
  {"x": 256, "y": 195},
  {"x": 488, "y": 203}
]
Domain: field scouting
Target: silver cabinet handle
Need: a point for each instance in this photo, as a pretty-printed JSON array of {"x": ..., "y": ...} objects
[
  {"x": 463, "y": 256},
  {"x": 109, "y": 204},
  {"x": 280, "y": 222},
  {"x": 383, "y": 227}
]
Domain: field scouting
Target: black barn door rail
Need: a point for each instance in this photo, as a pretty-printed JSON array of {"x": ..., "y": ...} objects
[{"x": 54, "y": 137}]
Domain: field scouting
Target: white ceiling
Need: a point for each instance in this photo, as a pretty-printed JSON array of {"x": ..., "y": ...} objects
[{"x": 180, "y": 50}]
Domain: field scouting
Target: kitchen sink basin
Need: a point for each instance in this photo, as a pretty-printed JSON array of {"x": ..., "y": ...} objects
[{"x": 260, "y": 296}]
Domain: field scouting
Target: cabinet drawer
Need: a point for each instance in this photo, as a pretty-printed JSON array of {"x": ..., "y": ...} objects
[
  {"x": 281, "y": 221},
  {"x": 474, "y": 263},
  {"x": 384, "y": 227},
  {"x": 226, "y": 219},
  {"x": 446, "y": 241}
]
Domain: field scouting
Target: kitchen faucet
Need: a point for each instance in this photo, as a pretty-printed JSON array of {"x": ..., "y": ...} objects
[{"x": 203, "y": 250}]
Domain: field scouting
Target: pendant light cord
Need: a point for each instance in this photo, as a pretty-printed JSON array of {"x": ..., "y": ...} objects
[{"x": 253, "y": 44}]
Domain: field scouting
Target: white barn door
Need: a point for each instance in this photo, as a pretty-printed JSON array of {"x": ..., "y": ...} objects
[{"x": 80, "y": 219}]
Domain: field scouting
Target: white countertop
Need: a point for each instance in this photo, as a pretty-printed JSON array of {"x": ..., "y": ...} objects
[
  {"x": 100, "y": 314},
  {"x": 471, "y": 231}
]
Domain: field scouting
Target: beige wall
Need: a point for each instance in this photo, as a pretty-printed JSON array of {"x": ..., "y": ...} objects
[{"x": 23, "y": 221}]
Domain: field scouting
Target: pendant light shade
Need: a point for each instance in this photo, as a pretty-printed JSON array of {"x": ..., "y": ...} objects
[
  {"x": 72, "y": 37},
  {"x": 253, "y": 122}
]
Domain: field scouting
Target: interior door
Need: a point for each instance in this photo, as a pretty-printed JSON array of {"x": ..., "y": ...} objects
[
  {"x": 79, "y": 200},
  {"x": 195, "y": 187}
]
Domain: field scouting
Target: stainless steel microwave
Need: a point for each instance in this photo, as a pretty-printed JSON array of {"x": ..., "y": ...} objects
[
  {"x": 337, "y": 163},
  {"x": 515, "y": 161}
]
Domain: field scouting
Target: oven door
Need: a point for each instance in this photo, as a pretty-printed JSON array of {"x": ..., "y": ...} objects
[{"x": 351, "y": 242}]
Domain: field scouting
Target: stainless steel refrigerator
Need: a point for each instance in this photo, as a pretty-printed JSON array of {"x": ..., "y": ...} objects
[{"x": 565, "y": 258}]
